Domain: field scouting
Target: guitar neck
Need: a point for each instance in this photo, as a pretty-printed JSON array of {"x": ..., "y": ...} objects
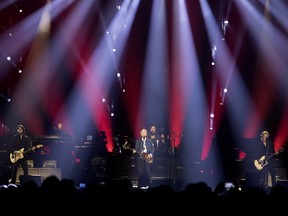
[
  {"x": 27, "y": 151},
  {"x": 33, "y": 148},
  {"x": 272, "y": 155}
]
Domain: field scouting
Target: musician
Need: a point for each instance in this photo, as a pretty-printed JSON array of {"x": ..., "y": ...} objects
[
  {"x": 20, "y": 142},
  {"x": 158, "y": 140},
  {"x": 266, "y": 149},
  {"x": 59, "y": 130},
  {"x": 144, "y": 148}
]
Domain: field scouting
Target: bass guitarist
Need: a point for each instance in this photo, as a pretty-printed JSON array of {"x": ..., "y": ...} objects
[
  {"x": 144, "y": 148},
  {"x": 266, "y": 150},
  {"x": 18, "y": 142}
]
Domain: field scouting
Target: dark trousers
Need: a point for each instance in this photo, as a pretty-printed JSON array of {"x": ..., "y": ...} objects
[
  {"x": 15, "y": 166},
  {"x": 269, "y": 171},
  {"x": 143, "y": 172}
]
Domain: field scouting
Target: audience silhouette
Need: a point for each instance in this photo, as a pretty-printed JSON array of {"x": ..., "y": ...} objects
[{"x": 65, "y": 194}]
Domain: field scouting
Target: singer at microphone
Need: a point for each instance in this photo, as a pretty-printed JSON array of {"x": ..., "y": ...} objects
[{"x": 144, "y": 148}]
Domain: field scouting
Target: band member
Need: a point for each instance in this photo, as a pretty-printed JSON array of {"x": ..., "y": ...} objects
[
  {"x": 20, "y": 144},
  {"x": 265, "y": 151},
  {"x": 159, "y": 140},
  {"x": 144, "y": 148},
  {"x": 59, "y": 130}
]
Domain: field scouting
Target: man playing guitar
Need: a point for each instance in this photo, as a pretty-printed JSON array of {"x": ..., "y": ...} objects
[
  {"x": 265, "y": 151},
  {"x": 144, "y": 147},
  {"x": 19, "y": 141}
]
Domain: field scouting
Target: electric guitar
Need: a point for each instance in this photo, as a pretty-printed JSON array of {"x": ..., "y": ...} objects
[
  {"x": 263, "y": 161},
  {"x": 17, "y": 155},
  {"x": 147, "y": 157}
]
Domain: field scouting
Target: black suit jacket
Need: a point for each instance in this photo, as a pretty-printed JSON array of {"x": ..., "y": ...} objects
[{"x": 139, "y": 146}]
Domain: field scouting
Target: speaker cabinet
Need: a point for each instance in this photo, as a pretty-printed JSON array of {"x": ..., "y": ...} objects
[
  {"x": 40, "y": 172},
  {"x": 281, "y": 174},
  {"x": 161, "y": 168},
  {"x": 177, "y": 168},
  {"x": 118, "y": 167}
]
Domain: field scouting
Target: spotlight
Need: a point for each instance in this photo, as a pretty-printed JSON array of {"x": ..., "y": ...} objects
[
  {"x": 211, "y": 121},
  {"x": 8, "y": 99},
  {"x": 213, "y": 53},
  {"x": 223, "y": 95},
  {"x": 224, "y": 26}
]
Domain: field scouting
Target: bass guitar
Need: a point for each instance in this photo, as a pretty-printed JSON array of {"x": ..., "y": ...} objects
[
  {"x": 147, "y": 157},
  {"x": 17, "y": 155},
  {"x": 263, "y": 161}
]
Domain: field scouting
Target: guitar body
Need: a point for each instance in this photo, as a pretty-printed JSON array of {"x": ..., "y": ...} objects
[
  {"x": 148, "y": 158},
  {"x": 263, "y": 161},
  {"x": 259, "y": 164},
  {"x": 17, "y": 155}
]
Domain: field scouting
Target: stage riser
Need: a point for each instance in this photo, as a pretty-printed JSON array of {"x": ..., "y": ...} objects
[{"x": 42, "y": 172}]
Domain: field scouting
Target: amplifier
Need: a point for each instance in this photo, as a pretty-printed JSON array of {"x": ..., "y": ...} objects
[
  {"x": 49, "y": 163},
  {"x": 30, "y": 163}
]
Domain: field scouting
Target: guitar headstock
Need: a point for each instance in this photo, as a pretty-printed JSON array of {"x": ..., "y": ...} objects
[
  {"x": 126, "y": 146},
  {"x": 280, "y": 150},
  {"x": 37, "y": 146}
]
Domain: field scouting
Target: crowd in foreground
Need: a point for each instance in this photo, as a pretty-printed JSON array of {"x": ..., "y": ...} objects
[{"x": 121, "y": 197}]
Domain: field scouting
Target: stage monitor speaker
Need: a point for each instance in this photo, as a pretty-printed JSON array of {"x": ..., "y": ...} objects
[
  {"x": 23, "y": 179},
  {"x": 162, "y": 182},
  {"x": 161, "y": 168},
  {"x": 253, "y": 179}
]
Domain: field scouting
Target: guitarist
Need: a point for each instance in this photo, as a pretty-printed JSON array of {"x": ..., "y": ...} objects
[
  {"x": 144, "y": 148},
  {"x": 19, "y": 141},
  {"x": 265, "y": 150}
]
